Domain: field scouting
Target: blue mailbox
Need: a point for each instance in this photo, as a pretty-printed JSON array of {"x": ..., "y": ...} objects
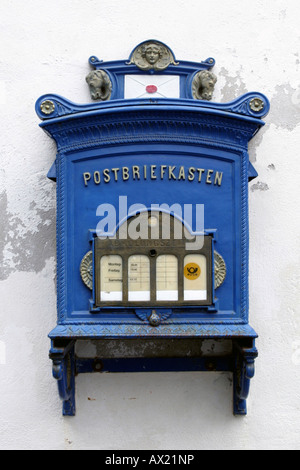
[{"x": 152, "y": 221}]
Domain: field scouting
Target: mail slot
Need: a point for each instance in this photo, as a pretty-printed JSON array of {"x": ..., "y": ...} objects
[{"x": 152, "y": 220}]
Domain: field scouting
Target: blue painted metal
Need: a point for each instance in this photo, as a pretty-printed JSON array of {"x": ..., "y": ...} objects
[
  {"x": 181, "y": 132},
  {"x": 158, "y": 364}
]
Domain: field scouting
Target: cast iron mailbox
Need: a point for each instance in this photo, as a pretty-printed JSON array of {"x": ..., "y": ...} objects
[{"x": 152, "y": 220}]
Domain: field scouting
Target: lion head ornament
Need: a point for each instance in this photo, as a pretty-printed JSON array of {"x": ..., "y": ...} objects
[
  {"x": 203, "y": 85},
  {"x": 99, "y": 84}
]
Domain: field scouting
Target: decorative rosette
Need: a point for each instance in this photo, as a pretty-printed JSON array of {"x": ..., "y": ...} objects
[
  {"x": 86, "y": 269},
  {"x": 220, "y": 269}
]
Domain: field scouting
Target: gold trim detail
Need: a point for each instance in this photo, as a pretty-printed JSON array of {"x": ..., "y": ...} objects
[
  {"x": 220, "y": 269},
  {"x": 256, "y": 104},
  {"x": 86, "y": 270},
  {"x": 47, "y": 107}
]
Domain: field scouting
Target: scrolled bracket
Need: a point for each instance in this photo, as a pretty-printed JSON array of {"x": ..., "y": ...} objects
[
  {"x": 243, "y": 372},
  {"x": 63, "y": 371}
]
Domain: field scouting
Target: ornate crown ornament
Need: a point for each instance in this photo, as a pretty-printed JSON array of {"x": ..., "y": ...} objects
[{"x": 152, "y": 55}]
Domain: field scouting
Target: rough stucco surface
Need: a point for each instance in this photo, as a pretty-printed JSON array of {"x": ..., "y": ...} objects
[{"x": 45, "y": 48}]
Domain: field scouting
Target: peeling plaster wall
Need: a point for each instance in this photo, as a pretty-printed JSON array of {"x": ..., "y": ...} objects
[{"x": 45, "y": 48}]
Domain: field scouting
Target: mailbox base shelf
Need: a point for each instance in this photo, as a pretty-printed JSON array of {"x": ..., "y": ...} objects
[{"x": 237, "y": 358}]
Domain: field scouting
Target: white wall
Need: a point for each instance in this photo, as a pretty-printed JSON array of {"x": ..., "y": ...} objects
[{"x": 45, "y": 46}]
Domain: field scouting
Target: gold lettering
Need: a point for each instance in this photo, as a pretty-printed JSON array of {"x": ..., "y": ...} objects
[
  {"x": 181, "y": 175},
  {"x": 218, "y": 177},
  {"x": 208, "y": 180},
  {"x": 171, "y": 174},
  {"x": 200, "y": 171},
  {"x": 136, "y": 172},
  {"x": 191, "y": 173},
  {"x": 115, "y": 170},
  {"x": 86, "y": 177},
  {"x": 97, "y": 177},
  {"x": 153, "y": 176},
  {"x": 125, "y": 173},
  {"x": 106, "y": 175},
  {"x": 162, "y": 171}
]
